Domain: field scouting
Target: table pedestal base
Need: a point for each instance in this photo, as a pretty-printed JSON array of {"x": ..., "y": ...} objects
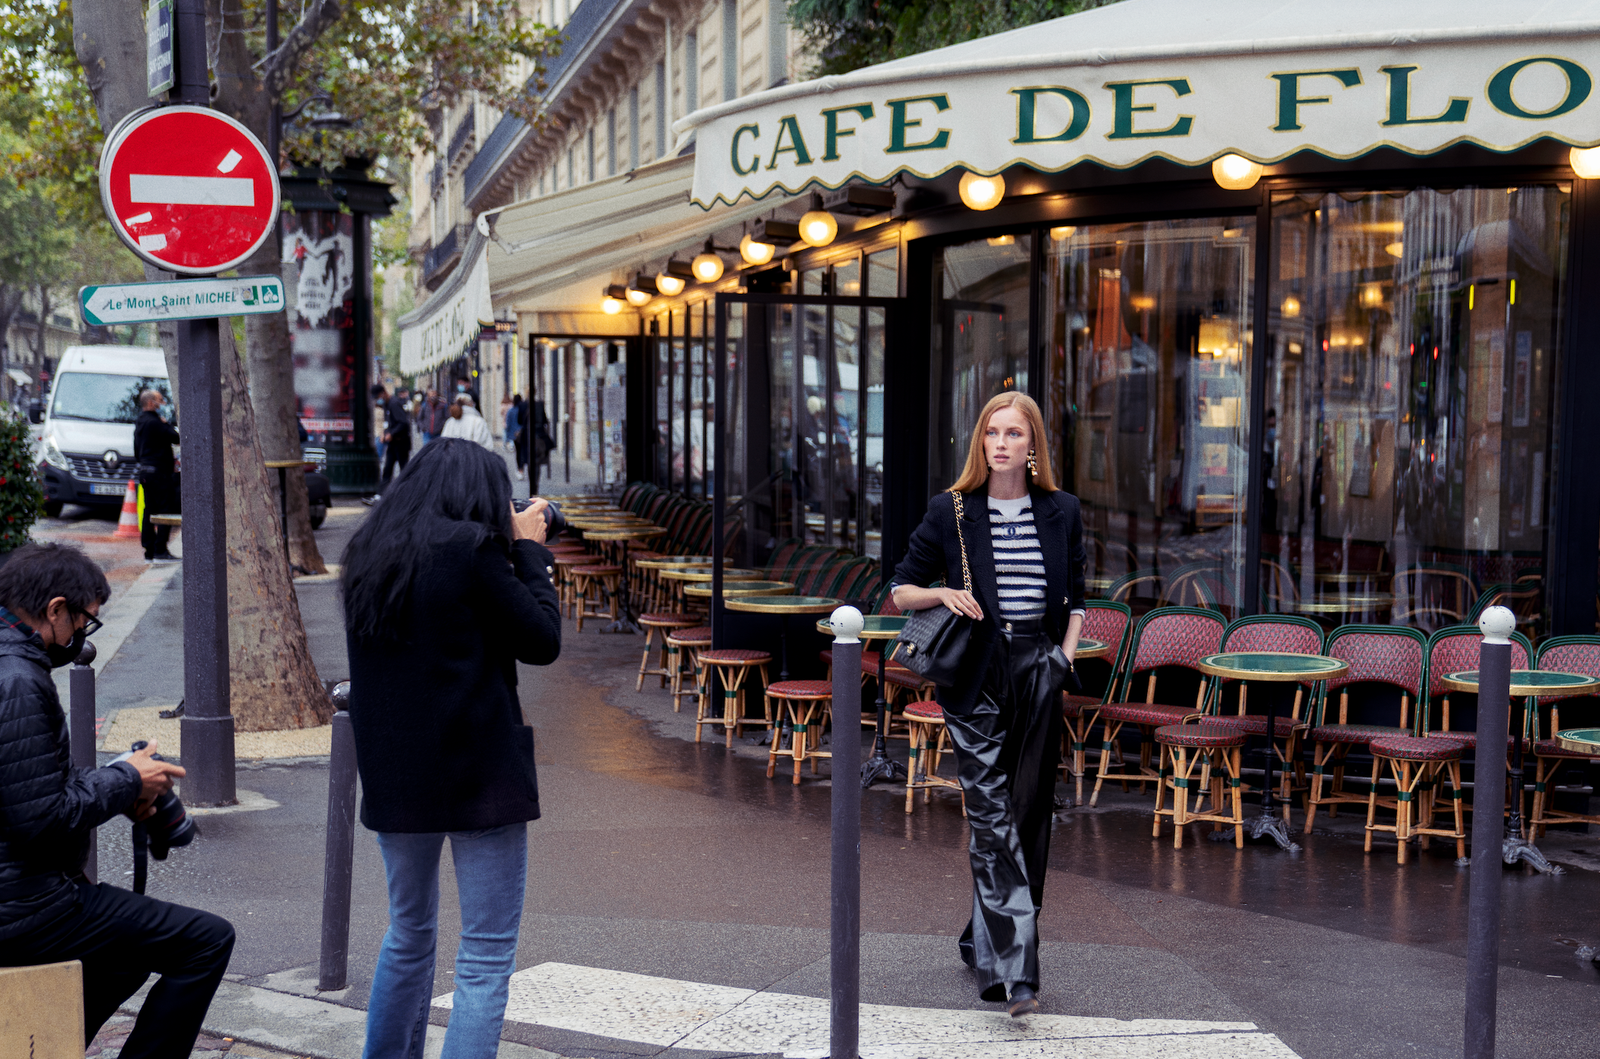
[
  {"x": 880, "y": 766},
  {"x": 1265, "y": 825},
  {"x": 1514, "y": 849}
]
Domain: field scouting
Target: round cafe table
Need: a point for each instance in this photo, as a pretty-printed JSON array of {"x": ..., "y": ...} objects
[
  {"x": 1276, "y": 666},
  {"x": 1539, "y": 683},
  {"x": 626, "y": 621},
  {"x": 1362, "y": 603},
  {"x": 668, "y": 562},
  {"x": 783, "y": 606},
  {"x": 1580, "y": 740},
  {"x": 735, "y": 589},
  {"x": 678, "y": 576}
]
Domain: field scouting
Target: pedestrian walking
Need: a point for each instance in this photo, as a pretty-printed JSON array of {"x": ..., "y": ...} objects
[
  {"x": 445, "y": 590},
  {"x": 155, "y": 467},
  {"x": 1022, "y": 539},
  {"x": 434, "y": 411},
  {"x": 517, "y": 428},
  {"x": 466, "y": 423},
  {"x": 396, "y": 433},
  {"x": 508, "y": 418}
]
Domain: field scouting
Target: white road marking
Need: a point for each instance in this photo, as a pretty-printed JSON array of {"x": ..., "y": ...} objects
[
  {"x": 153, "y": 242},
  {"x": 670, "y": 1013},
  {"x": 170, "y": 190},
  {"x": 143, "y": 218},
  {"x": 232, "y": 159}
]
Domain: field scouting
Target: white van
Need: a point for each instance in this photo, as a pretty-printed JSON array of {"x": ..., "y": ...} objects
[{"x": 86, "y": 447}]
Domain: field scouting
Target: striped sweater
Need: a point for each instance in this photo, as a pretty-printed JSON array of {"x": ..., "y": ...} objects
[{"x": 1018, "y": 559}]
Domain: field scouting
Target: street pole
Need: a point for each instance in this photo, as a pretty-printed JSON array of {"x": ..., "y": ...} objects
[
  {"x": 333, "y": 965},
  {"x": 80, "y": 691},
  {"x": 1488, "y": 795},
  {"x": 844, "y": 966},
  {"x": 207, "y": 725}
]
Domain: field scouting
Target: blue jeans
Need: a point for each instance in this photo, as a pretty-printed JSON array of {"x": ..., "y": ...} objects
[{"x": 491, "y": 870}]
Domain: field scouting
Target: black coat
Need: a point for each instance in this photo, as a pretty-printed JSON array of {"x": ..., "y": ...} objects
[
  {"x": 153, "y": 438},
  {"x": 440, "y": 740},
  {"x": 48, "y": 809},
  {"x": 935, "y": 552}
]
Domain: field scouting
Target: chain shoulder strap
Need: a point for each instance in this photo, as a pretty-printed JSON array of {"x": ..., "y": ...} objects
[{"x": 966, "y": 571}]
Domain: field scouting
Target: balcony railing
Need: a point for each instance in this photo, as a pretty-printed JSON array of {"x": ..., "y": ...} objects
[
  {"x": 463, "y": 132},
  {"x": 444, "y": 253}
]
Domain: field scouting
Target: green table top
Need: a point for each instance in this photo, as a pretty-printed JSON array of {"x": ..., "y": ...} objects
[
  {"x": 704, "y": 573},
  {"x": 1583, "y": 740},
  {"x": 669, "y": 562},
  {"x": 1271, "y": 665},
  {"x": 741, "y": 588},
  {"x": 876, "y": 627},
  {"x": 1545, "y": 683},
  {"x": 785, "y": 604}
]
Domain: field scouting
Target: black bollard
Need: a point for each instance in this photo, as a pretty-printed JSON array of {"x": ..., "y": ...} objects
[
  {"x": 844, "y": 978},
  {"x": 334, "y": 966},
  {"x": 80, "y": 686},
  {"x": 1489, "y": 792}
]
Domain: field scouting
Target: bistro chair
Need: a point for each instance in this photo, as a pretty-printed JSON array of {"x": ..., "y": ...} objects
[
  {"x": 595, "y": 591},
  {"x": 666, "y": 623},
  {"x": 1416, "y": 765},
  {"x": 1451, "y": 650},
  {"x": 1524, "y": 599},
  {"x": 1567, "y": 654},
  {"x": 804, "y": 707},
  {"x": 1201, "y": 584},
  {"x": 1216, "y": 752},
  {"x": 728, "y": 669},
  {"x": 1141, "y": 587},
  {"x": 929, "y": 739},
  {"x": 1432, "y": 595},
  {"x": 1379, "y": 656},
  {"x": 1165, "y": 638},
  {"x": 683, "y": 655},
  {"x": 1109, "y": 623},
  {"x": 1279, "y": 592}
]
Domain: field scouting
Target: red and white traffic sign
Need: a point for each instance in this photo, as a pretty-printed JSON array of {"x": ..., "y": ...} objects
[{"x": 188, "y": 189}]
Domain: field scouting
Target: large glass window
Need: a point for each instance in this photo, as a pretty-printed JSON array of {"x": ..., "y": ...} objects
[
  {"x": 1414, "y": 337},
  {"x": 1147, "y": 332}
]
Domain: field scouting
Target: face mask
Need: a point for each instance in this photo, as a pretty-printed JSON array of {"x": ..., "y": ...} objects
[{"x": 67, "y": 653}]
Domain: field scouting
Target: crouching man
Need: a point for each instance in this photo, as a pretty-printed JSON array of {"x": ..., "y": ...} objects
[{"x": 50, "y": 595}]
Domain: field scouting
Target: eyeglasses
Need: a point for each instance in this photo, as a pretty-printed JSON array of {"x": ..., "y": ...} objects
[{"x": 91, "y": 624}]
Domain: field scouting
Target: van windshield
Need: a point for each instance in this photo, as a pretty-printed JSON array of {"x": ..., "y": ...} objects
[{"x": 101, "y": 398}]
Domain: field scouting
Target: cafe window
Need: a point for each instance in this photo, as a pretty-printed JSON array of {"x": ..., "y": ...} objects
[
  {"x": 1414, "y": 337},
  {"x": 1147, "y": 334}
]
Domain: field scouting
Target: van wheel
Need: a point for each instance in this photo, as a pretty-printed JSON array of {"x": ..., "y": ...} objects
[
  {"x": 52, "y": 508},
  {"x": 318, "y": 513}
]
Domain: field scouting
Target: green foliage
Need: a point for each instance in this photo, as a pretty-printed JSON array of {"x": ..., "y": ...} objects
[
  {"x": 21, "y": 496},
  {"x": 849, "y": 34}
]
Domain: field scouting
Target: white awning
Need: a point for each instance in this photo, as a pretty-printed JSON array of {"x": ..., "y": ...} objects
[
  {"x": 448, "y": 324},
  {"x": 20, "y": 377},
  {"x": 1188, "y": 80}
]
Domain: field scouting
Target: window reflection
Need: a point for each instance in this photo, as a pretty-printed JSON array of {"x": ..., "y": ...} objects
[
  {"x": 1148, "y": 326},
  {"x": 1408, "y": 396}
]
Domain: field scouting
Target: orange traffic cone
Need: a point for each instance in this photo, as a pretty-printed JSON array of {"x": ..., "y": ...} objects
[{"x": 128, "y": 524}]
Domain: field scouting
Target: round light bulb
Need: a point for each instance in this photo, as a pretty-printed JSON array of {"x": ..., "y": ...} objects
[
  {"x": 637, "y": 297},
  {"x": 1235, "y": 172},
  {"x": 755, "y": 252},
  {"x": 610, "y": 306},
  {"x": 982, "y": 192},
  {"x": 707, "y": 267},
  {"x": 1063, "y": 233},
  {"x": 1585, "y": 162},
  {"x": 670, "y": 285},
  {"x": 1291, "y": 306},
  {"x": 817, "y": 228}
]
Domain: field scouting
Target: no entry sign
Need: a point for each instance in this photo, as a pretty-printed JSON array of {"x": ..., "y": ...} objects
[{"x": 188, "y": 189}]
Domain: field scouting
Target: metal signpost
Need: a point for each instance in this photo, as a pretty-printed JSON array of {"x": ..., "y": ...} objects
[{"x": 192, "y": 191}]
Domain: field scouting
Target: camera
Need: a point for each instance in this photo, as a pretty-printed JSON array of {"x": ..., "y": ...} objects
[
  {"x": 552, "y": 516},
  {"x": 169, "y": 826}
]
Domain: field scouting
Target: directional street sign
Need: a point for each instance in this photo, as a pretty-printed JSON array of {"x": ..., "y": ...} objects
[
  {"x": 181, "y": 299},
  {"x": 188, "y": 189},
  {"x": 158, "y": 46}
]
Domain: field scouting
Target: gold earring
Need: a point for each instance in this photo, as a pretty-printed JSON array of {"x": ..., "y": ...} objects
[{"x": 1033, "y": 468}]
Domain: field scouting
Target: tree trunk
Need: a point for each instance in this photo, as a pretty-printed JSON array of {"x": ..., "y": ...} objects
[{"x": 273, "y": 681}]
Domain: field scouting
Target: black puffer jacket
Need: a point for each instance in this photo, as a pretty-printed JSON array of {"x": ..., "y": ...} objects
[{"x": 48, "y": 809}]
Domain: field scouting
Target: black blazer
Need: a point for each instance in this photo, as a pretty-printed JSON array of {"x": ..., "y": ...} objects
[{"x": 935, "y": 552}]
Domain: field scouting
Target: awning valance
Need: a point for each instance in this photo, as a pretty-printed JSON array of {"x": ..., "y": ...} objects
[
  {"x": 1188, "y": 80},
  {"x": 448, "y": 324}
]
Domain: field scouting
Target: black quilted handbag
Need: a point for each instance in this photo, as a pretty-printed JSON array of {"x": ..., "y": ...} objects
[{"x": 934, "y": 640}]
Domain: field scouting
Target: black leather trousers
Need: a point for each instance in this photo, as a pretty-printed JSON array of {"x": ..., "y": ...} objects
[{"x": 1007, "y": 750}]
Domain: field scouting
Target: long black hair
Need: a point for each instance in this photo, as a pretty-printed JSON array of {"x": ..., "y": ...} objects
[{"x": 452, "y": 487}]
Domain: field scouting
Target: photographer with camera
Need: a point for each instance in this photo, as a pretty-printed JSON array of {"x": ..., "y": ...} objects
[
  {"x": 50, "y": 596},
  {"x": 446, "y": 588}
]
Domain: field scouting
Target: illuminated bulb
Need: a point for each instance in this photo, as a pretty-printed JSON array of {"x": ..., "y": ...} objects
[
  {"x": 1395, "y": 249},
  {"x": 1585, "y": 162},
  {"x": 1371, "y": 296},
  {"x": 1063, "y": 233},
  {"x": 707, "y": 267},
  {"x": 638, "y": 297},
  {"x": 817, "y": 228},
  {"x": 610, "y": 306},
  {"x": 1235, "y": 172},
  {"x": 982, "y": 192},
  {"x": 670, "y": 285},
  {"x": 1002, "y": 240},
  {"x": 755, "y": 252},
  {"x": 1291, "y": 307}
]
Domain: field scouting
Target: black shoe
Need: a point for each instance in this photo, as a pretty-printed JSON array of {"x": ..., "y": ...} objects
[
  {"x": 370, "y": 500},
  {"x": 165, "y": 558},
  {"x": 1023, "y": 1000}
]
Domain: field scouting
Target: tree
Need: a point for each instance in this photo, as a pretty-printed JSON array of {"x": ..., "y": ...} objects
[
  {"x": 33, "y": 248},
  {"x": 846, "y": 35}
]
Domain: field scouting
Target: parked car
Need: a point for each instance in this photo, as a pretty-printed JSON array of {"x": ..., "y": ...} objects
[{"x": 86, "y": 446}]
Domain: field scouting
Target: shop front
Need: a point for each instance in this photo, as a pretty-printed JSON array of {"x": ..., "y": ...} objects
[{"x": 1300, "y": 289}]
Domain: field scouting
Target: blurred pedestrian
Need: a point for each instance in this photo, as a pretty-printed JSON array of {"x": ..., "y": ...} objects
[
  {"x": 445, "y": 590},
  {"x": 156, "y": 469},
  {"x": 434, "y": 411},
  {"x": 396, "y": 432},
  {"x": 465, "y": 422}
]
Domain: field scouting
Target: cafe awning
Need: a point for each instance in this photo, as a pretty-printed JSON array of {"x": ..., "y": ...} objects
[
  {"x": 1186, "y": 80},
  {"x": 448, "y": 324}
]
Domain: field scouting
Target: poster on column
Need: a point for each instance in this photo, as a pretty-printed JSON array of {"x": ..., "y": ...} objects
[{"x": 319, "y": 268}]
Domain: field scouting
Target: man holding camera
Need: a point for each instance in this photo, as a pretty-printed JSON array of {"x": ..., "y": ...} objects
[{"x": 50, "y": 595}]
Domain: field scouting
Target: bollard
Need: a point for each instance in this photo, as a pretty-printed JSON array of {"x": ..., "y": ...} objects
[
  {"x": 80, "y": 687},
  {"x": 334, "y": 965},
  {"x": 844, "y": 977},
  {"x": 1489, "y": 792}
]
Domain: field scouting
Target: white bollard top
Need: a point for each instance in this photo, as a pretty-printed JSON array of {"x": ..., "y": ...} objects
[
  {"x": 847, "y": 624},
  {"x": 1497, "y": 624}
]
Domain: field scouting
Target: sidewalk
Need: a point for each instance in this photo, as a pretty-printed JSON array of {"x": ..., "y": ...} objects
[{"x": 678, "y": 906}]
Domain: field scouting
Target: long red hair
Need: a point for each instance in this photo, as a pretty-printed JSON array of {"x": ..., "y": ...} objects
[{"x": 975, "y": 475}]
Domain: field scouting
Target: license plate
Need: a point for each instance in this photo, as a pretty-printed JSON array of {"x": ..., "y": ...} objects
[{"x": 108, "y": 490}]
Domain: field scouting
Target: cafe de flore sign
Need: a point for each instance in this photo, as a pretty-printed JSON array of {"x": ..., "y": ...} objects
[{"x": 1186, "y": 80}]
